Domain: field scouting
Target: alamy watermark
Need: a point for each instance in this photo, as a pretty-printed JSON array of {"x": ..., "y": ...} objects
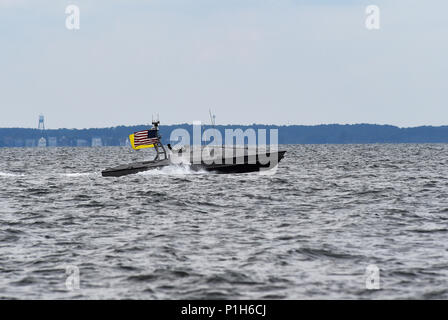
[
  {"x": 372, "y": 277},
  {"x": 72, "y": 280},
  {"x": 73, "y": 18},
  {"x": 373, "y": 18},
  {"x": 72, "y": 21},
  {"x": 238, "y": 146}
]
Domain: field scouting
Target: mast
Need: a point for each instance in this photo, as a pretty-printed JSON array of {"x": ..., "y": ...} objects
[{"x": 158, "y": 144}]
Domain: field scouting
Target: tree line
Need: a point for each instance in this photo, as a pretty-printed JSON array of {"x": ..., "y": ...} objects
[{"x": 287, "y": 134}]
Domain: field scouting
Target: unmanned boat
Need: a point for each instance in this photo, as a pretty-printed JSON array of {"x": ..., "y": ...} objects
[{"x": 218, "y": 159}]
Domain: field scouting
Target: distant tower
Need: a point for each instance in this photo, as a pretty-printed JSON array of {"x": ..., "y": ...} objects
[
  {"x": 42, "y": 141},
  {"x": 41, "y": 123}
]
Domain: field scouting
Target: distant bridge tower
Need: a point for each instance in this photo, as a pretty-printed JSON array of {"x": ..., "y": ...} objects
[
  {"x": 41, "y": 123},
  {"x": 42, "y": 141}
]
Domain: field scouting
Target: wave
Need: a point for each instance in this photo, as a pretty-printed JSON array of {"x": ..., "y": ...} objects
[
  {"x": 8, "y": 174},
  {"x": 78, "y": 174}
]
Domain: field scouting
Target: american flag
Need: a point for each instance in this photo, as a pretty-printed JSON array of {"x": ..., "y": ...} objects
[{"x": 145, "y": 137}]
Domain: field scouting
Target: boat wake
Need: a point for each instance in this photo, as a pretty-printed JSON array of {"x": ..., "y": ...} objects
[
  {"x": 174, "y": 169},
  {"x": 46, "y": 175}
]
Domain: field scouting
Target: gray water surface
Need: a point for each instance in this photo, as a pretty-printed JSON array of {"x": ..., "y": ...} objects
[{"x": 309, "y": 231}]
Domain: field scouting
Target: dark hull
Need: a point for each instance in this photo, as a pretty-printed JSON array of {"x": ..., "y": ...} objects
[
  {"x": 134, "y": 168},
  {"x": 238, "y": 165},
  {"x": 235, "y": 165}
]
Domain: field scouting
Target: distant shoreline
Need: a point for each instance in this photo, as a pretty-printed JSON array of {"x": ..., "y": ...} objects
[{"x": 287, "y": 134}]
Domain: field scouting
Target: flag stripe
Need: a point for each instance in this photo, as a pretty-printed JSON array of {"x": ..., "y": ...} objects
[{"x": 145, "y": 137}]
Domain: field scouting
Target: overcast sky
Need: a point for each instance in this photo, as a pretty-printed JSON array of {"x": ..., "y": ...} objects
[{"x": 250, "y": 61}]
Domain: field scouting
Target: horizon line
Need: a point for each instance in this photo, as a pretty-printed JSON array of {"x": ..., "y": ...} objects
[{"x": 242, "y": 125}]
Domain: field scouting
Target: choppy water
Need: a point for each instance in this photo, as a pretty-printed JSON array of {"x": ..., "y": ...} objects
[{"x": 309, "y": 231}]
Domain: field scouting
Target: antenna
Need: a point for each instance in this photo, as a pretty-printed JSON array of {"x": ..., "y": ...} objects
[
  {"x": 155, "y": 123},
  {"x": 212, "y": 118}
]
